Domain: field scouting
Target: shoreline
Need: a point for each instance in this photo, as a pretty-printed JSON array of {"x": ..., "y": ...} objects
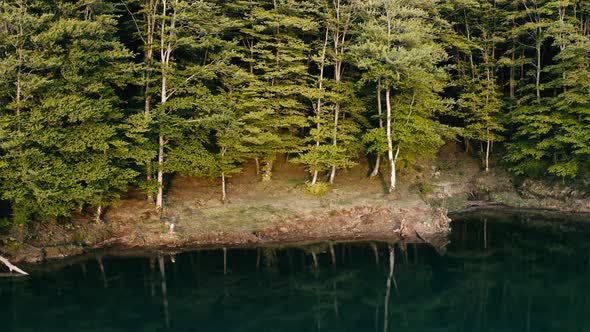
[
  {"x": 378, "y": 226},
  {"x": 367, "y": 223},
  {"x": 279, "y": 212}
]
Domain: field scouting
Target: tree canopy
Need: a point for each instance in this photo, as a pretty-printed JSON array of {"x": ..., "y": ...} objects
[{"x": 99, "y": 97}]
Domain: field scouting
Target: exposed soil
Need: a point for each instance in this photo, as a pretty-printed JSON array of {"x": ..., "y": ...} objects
[
  {"x": 280, "y": 212},
  {"x": 256, "y": 213}
]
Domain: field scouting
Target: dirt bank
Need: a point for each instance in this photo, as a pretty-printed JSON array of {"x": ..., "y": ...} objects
[
  {"x": 279, "y": 211},
  {"x": 359, "y": 223},
  {"x": 461, "y": 185},
  {"x": 257, "y": 213}
]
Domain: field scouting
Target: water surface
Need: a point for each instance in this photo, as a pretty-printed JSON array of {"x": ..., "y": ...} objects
[{"x": 502, "y": 273}]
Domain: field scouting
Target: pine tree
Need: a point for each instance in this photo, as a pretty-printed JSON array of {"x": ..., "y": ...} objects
[
  {"x": 74, "y": 154},
  {"x": 274, "y": 52}
]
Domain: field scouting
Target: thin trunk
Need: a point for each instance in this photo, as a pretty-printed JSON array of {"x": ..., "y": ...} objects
[
  {"x": 166, "y": 48},
  {"x": 98, "y": 214},
  {"x": 149, "y": 59},
  {"x": 471, "y": 61},
  {"x": 18, "y": 92},
  {"x": 319, "y": 103},
  {"x": 488, "y": 144},
  {"x": 335, "y": 137},
  {"x": 538, "y": 74},
  {"x": 314, "y": 179},
  {"x": 339, "y": 38},
  {"x": 223, "y": 191},
  {"x": 223, "y": 183},
  {"x": 392, "y": 182},
  {"x": 380, "y": 112},
  {"x": 513, "y": 69},
  {"x": 160, "y": 196}
]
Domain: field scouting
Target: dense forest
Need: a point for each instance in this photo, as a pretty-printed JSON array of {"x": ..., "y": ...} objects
[{"x": 100, "y": 96}]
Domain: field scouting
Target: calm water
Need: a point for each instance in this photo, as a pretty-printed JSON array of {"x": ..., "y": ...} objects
[{"x": 499, "y": 274}]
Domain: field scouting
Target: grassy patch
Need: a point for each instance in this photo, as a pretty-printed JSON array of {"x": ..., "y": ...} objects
[{"x": 510, "y": 199}]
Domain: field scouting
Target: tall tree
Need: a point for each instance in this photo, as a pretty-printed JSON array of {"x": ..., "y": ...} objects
[
  {"x": 188, "y": 36},
  {"x": 74, "y": 153},
  {"x": 399, "y": 35},
  {"x": 275, "y": 53}
]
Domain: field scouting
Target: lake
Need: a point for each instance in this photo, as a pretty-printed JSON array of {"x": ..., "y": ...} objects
[{"x": 500, "y": 272}]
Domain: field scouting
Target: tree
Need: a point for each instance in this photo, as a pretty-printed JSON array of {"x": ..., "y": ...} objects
[
  {"x": 480, "y": 100},
  {"x": 192, "y": 28},
  {"x": 553, "y": 136},
  {"x": 275, "y": 54},
  {"x": 398, "y": 35},
  {"x": 74, "y": 153}
]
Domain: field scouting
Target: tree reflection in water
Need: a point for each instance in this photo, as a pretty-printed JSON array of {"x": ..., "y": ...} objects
[{"x": 508, "y": 273}]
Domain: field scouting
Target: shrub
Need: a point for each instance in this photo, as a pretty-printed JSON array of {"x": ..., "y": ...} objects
[{"x": 318, "y": 189}]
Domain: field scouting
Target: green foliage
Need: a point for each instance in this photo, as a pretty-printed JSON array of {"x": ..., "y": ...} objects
[
  {"x": 73, "y": 153},
  {"x": 83, "y": 102},
  {"x": 317, "y": 189}
]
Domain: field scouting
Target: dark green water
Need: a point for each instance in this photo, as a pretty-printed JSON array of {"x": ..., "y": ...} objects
[{"x": 510, "y": 273}]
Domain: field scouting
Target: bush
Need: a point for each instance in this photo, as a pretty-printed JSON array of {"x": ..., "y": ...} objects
[
  {"x": 318, "y": 189},
  {"x": 424, "y": 187}
]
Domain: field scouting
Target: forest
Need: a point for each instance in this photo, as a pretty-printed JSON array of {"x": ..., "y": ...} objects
[{"x": 101, "y": 96}]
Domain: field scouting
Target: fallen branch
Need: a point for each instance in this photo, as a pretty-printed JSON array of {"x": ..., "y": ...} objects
[{"x": 12, "y": 267}]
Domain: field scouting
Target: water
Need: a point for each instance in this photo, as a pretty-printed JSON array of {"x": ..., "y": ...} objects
[{"x": 507, "y": 273}]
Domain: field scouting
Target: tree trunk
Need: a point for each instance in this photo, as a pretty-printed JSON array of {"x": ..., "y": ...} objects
[
  {"x": 488, "y": 143},
  {"x": 166, "y": 48},
  {"x": 160, "y": 196},
  {"x": 150, "y": 17},
  {"x": 12, "y": 267},
  {"x": 257, "y": 166},
  {"x": 319, "y": 103},
  {"x": 98, "y": 214},
  {"x": 379, "y": 111},
  {"x": 223, "y": 191},
  {"x": 267, "y": 176},
  {"x": 392, "y": 178},
  {"x": 538, "y": 74},
  {"x": 335, "y": 138}
]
